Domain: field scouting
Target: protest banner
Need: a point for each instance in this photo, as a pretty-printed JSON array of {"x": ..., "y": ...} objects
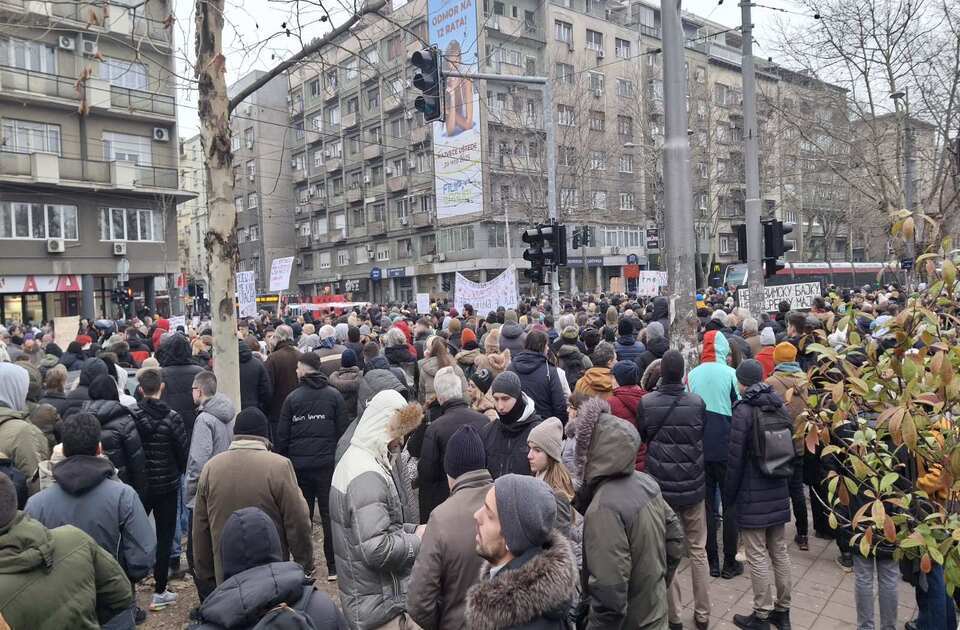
[
  {"x": 177, "y": 320},
  {"x": 486, "y": 296},
  {"x": 800, "y": 296},
  {"x": 247, "y": 294},
  {"x": 423, "y": 303},
  {"x": 650, "y": 282},
  {"x": 280, "y": 273},
  {"x": 65, "y": 330}
]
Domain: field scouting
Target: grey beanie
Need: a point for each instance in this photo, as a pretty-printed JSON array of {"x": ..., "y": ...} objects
[
  {"x": 548, "y": 436},
  {"x": 527, "y": 510},
  {"x": 767, "y": 337},
  {"x": 507, "y": 383},
  {"x": 750, "y": 372}
]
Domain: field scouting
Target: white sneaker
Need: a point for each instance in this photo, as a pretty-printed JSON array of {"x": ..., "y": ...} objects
[
  {"x": 332, "y": 577},
  {"x": 162, "y": 600}
]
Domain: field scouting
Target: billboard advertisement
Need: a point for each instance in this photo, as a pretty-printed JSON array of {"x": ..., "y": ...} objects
[{"x": 456, "y": 151}]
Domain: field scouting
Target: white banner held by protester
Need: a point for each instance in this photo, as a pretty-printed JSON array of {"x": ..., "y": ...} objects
[
  {"x": 65, "y": 330},
  {"x": 280, "y": 273},
  {"x": 800, "y": 296},
  {"x": 486, "y": 296},
  {"x": 650, "y": 282},
  {"x": 247, "y": 293},
  {"x": 423, "y": 303},
  {"x": 178, "y": 320}
]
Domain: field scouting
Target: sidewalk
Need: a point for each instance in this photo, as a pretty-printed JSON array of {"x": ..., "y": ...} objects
[{"x": 822, "y": 597}]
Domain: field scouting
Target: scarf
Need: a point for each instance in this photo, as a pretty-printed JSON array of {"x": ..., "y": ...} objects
[{"x": 791, "y": 367}]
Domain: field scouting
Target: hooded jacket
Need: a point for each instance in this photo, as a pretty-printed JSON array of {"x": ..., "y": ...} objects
[
  {"x": 670, "y": 421},
  {"x": 661, "y": 313},
  {"x": 212, "y": 434},
  {"x": 57, "y": 578},
  {"x": 347, "y": 382},
  {"x": 165, "y": 445},
  {"x": 255, "y": 386},
  {"x": 121, "y": 442},
  {"x": 281, "y": 365},
  {"x": 629, "y": 349},
  {"x": 632, "y": 540},
  {"x": 379, "y": 375},
  {"x": 467, "y": 360},
  {"x": 258, "y": 578},
  {"x": 312, "y": 419},
  {"x": 716, "y": 383},
  {"x": 541, "y": 382},
  {"x": 573, "y": 362},
  {"x": 428, "y": 369},
  {"x": 512, "y": 338},
  {"x": 597, "y": 381},
  {"x": 179, "y": 371},
  {"x": 447, "y": 564},
  {"x": 88, "y": 495},
  {"x": 624, "y": 403},
  {"x": 761, "y": 501},
  {"x": 505, "y": 441},
  {"x": 656, "y": 347},
  {"x": 20, "y": 440},
  {"x": 374, "y": 542},
  {"x": 534, "y": 591},
  {"x": 92, "y": 368}
]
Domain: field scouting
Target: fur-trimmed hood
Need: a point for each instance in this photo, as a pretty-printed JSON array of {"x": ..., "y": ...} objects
[{"x": 541, "y": 582}]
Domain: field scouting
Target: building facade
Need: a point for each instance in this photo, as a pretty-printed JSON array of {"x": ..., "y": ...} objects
[
  {"x": 192, "y": 215},
  {"x": 88, "y": 162}
]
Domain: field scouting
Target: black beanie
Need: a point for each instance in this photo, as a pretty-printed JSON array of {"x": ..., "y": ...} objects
[
  {"x": 483, "y": 379},
  {"x": 465, "y": 452},
  {"x": 251, "y": 421},
  {"x": 671, "y": 367},
  {"x": 625, "y": 328}
]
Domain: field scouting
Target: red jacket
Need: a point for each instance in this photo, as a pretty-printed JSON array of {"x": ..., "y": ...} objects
[
  {"x": 765, "y": 357},
  {"x": 623, "y": 404}
]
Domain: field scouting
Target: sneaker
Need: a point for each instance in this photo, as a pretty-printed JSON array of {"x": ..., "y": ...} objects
[
  {"x": 701, "y": 625},
  {"x": 780, "y": 619},
  {"x": 162, "y": 600},
  {"x": 331, "y": 577},
  {"x": 802, "y": 543},
  {"x": 731, "y": 570},
  {"x": 139, "y": 615},
  {"x": 714, "y": 569},
  {"x": 751, "y": 622},
  {"x": 845, "y": 560}
]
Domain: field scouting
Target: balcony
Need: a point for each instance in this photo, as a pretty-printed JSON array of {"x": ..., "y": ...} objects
[
  {"x": 396, "y": 184},
  {"x": 154, "y": 30},
  {"x": 76, "y": 174},
  {"x": 355, "y": 195},
  {"x": 730, "y": 55},
  {"x": 376, "y": 228},
  {"x": 333, "y": 164},
  {"x": 421, "y": 219},
  {"x": 139, "y": 101},
  {"x": 349, "y": 120},
  {"x": 14, "y": 80},
  {"x": 391, "y": 103},
  {"x": 419, "y": 135},
  {"x": 372, "y": 151},
  {"x": 303, "y": 241},
  {"x": 514, "y": 28}
]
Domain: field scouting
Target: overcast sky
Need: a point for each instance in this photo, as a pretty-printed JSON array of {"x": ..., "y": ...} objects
[{"x": 256, "y": 39}]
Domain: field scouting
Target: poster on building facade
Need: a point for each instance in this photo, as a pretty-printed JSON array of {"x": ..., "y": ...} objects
[
  {"x": 800, "y": 295},
  {"x": 247, "y": 294},
  {"x": 486, "y": 296},
  {"x": 280, "y": 273},
  {"x": 650, "y": 282},
  {"x": 457, "y": 140}
]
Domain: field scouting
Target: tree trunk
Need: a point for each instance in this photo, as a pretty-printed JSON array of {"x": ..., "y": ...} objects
[{"x": 220, "y": 239}]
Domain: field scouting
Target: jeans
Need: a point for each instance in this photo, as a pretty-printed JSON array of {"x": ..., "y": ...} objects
[
  {"x": 821, "y": 520},
  {"x": 764, "y": 547},
  {"x": 798, "y": 498},
  {"x": 888, "y": 575},
  {"x": 695, "y": 536},
  {"x": 936, "y": 609},
  {"x": 164, "y": 509},
  {"x": 716, "y": 472},
  {"x": 315, "y": 486},
  {"x": 182, "y": 524}
]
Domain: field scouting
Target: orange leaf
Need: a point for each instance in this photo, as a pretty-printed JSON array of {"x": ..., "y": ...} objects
[
  {"x": 925, "y": 563},
  {"x": 811, "y": 440},
  {"x": 889, "y": 529},
  {"x": 842, "y": 495}
]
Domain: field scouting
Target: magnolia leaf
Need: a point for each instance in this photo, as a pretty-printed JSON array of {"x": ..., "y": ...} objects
[
  {"x": 811, "y": 440},
  {"x": 936, "y": 364},
  {"x": 889, "y": 530},
  {"x": 887, "y": 482},
  {"x": 946, "y": 372},
  {"x": 949, "y": 272},
  {"x": 909, "y": 430},
  {"x": 955, "y": 462},
  {"x": 843, "y": 495},
  {"x": 832, "y": 520},
  {"x": 859, "y": 515},
  {"x": 925, "y": 564},
  {"x": 908, "y": 229},
  {"x": 865, "y": 541},
  {"x": 878, "y": 512},
  {"x": 915, "y": 539}
]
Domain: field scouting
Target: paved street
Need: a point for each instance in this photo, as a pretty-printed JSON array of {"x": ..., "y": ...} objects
[{"x": 822, "y": 593}]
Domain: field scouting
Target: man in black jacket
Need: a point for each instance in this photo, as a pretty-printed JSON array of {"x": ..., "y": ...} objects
[
  {"x": 312, "y": 419},
  {"x": 762, "y": 506},
  {"x": 538, "y": 379},
  {"x": 434, "y": 488},
  {"x": 255, "y": 386},
  {"x": 178, "y": 371},
  {"x": 505, "y": 440},
  {"x": 670, "y": 421}
]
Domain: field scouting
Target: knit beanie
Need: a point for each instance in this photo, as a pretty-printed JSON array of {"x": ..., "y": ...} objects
[
  {"x": 483, "y": 379},
  {"x": 767, "y": 337},
  {"x": 348, "y": 359},
  {"x": 671, "y": 367},
  {"x": 251, "y": 421},
  {"x": 468, "y": 339},
  {"x": 548, "y": 435},
  {"x": 654, "y": 330},
  {"x": 8, "y": 501},
  {"x": 570, "y": 333},
  {"x": 626, "y": 373},
  {"x": 527, "y": 510},
  {"x": 625, "y": 328},
  {"x": 750, "y": 372},
  {"x": 784, "y": 352},
  {"x": 454, "y": 326},
  {"x": 507, "y": 383},
  {"x": 465, "y": 452}
]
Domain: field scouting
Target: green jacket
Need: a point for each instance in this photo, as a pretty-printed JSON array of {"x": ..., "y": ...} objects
[
  {"x": 57, "y": 578},
  {"x": 24, "y": 444}
]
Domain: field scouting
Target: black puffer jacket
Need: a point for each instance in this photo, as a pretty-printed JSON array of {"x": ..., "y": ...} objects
[
  {"x": 92, "y": 368},
  {"x": 505, "y": 440},
  {"x": 541, "y": 382},
  {"x": 120, "y": 441},
  {"x": 255, "y": 386},
  {"x": 179, "y": 370},
  {"x": 670, "y": 421},
  {"x": 761, "y": 501},
  {"x": 165, "y": 444},
  {"x": 58, "y": 401},
  {"x": 312, "y": 419},
  {"x": 656, "y": 347}
]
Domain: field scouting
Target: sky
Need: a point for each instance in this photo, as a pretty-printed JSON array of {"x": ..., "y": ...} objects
[{"x": 256, "y": 39}]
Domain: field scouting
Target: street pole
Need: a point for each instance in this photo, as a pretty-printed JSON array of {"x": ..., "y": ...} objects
[
  {"x": 908, "y": 190},
  {"x": 678, "y": 196},
  {"x": 751, "y": 168}
]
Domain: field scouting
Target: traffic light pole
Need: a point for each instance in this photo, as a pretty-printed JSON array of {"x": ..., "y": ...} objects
[
  {"x": 549, "y": 126},
  {"x": 751, "y": 153}
]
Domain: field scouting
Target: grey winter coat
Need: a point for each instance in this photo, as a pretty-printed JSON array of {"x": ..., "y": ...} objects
[{"x": 212, "y": 434}]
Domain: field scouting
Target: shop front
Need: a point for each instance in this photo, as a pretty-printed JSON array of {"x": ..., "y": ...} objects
[{"x": 36, "y": 299}]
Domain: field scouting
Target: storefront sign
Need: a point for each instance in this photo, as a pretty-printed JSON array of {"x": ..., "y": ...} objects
[
  {"x": 268, "y": 299},
  {"x": 486, "y": 296},
  {"x": 631, "y": 271},
  {"x": 280, "y": 273},
  {"x": 376, "y": 274},
  {"x": 39, "y": 284},
  {"x": 397, "y": 272}
]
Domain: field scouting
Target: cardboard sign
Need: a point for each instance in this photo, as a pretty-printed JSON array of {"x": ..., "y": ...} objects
[
  {"x": 423, "y": 303},
  {"x": 280, "y": 273},
  {"x": 800, "y": 296},
  {"x": 486, "y": 296},
  {"x": 65, "y": 330},
  {"x": 177, "y": 320},
  {"x": 650, "y": 282},
  {"x": 247, "y": 294}
]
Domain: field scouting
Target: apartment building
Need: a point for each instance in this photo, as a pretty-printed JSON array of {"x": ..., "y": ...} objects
[
  {"x": 88, "y": 159},
  {"x": 192, "y": 215}
]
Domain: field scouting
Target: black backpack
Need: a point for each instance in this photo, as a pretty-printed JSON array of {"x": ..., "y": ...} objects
[
  {"x": 773, "y": 445},
  {"x": 284, "y": 617}
]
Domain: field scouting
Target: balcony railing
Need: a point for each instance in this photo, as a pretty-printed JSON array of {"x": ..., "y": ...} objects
[
  {"x": 37, "y": 83},
  {"x": 138, "y": 100},
  {"x": 156, "y": 177},
  {"x": 153, "y": 29},
  {"x": 14, "y": 164},
  {"x": 85, "y": 170}
]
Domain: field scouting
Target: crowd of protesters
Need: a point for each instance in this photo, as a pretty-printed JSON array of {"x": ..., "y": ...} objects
[{"x": 510, "y": 469}]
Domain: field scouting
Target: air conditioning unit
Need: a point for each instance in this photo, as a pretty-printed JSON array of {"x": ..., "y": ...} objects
[
  {"x": 366, "y": 179},
  {"x": 600, "y": 54},
  {"x": 404, "y": 221},
  {"x": 161, "y": 134},
  {"x": 388, "y": 172},
  {"x": 55, "y": 246},
  {"x": 298, "y": 209},
  {"x": 252, "y": 177},
  {"x": 120, "y": 248},
  {"x": 67, "y": 43},
  {"x": 598, "y": 93},
  {"x": 299, "y": 261},
  {"x": 441, "y": 257},
  {"x": 89, "y": 47}
]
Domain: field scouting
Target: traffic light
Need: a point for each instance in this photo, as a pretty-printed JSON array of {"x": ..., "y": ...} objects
[
  {"x": 429, "y": 80},
  {"x": 741, "y": 231},
  {"x": 536, "y": 254},
  {"x": 774, "y": 246}
]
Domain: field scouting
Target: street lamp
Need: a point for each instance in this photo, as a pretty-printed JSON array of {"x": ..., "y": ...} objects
[{"x": 903, "y": 97}]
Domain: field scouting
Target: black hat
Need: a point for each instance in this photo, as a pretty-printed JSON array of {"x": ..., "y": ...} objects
[
  {"x": 671, "y": 367},
  {"x": 750, "y": 372},
  {"x": 465, "y": 452},
  {"x": 483, "y": 379},
  {"x": 251, "y": 421},
  {"x": 625, "y": 328}
]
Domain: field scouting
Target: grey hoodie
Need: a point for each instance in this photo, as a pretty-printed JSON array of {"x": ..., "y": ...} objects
[{"x": 212, "y": 434}]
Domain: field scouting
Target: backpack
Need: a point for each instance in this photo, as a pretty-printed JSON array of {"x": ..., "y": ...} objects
[
  {"x": 773, "y": 445},
  {"x": 284, "y": 617}
]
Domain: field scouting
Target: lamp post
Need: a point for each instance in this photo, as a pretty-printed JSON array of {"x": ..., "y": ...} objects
[{"x": 901, "y": 101}]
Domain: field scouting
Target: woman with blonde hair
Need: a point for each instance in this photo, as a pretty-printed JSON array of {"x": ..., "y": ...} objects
[
  {"x": 436, "y": 355},
  {"x": 545, "y": 456}
]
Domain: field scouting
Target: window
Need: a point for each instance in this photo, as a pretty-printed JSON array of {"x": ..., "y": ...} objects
[
  {"x": 568, "y": 198},
  {"x": 331, "y": 115},
  {"x": 622, "y": 48},
  {"x": 625, "y": 126},
  {"x": 721, "y": 93},
  {"x": 598, "y": 160},
  {"x": 401, "y": 208},
  {"x": 130, "y": 224},
  {"x": 343, "y": 258},
  {"x": 251, "y": 169},
  {"x": 563, "y": 32},
  {"x": 378, "y": 213},
  {"x": 38, "y": 221},
  {"x": 701, "y": 201},
  {"x": 702, "y": 170},
  {"x": 359, "y": 218},
  {"x": 498, "y": 8},
  {"x": 122, "y": 147},
  {"x": 323, "y": 261},
  {"x": 594, "y": 40},
  {"x": 656, "y": 89},
  {"x": 373, "y": 98},
  {"x": 598, "y": 199},
  {"x": 28, "y": 55},
  {"x": 395, "y": 47},
  {"x": 352, "y": 68},
  {"x": 234, "y": 142},
  {"x": 314, "y": 87},
  {"x": 700, "y": 74},
  {"x": 566, "y": 116},
  {"x": 297, "y": 162},
  {"x": 372, "y": 55},
  {"x": 254, "y": 232},
  {"x": 701, "y": 109},
  {"x": 567, "y": 155},
  {"x": 626, "y": 201},
  {"x": 383, "y": 253},
  {"x": 564, "y": 73},
  {"x": 317, "y": 158},
  {"x": 236, "y": 175},
  {"x": 298, "y": 130},
  {"x": 728, "y": 244},
  {"x": 238, "y": 204},
  {"x": 24, "y": 136},
  {"x": 790, "y": 216},
  {"x": 455, "y": 239},
  {"x": 496, "y": 235},
  {"x": 330, "y": 79},
  {"x": 335, "y": 148},
  {"x": 626, "y": 163},
  {"x": 721, "y": 167},
  {"x": 248, "y": 137},
  {"x": 251, "y": 201},
  {"x": 405, "y": 248},
  {"x": 125, "y": 74},
  {"x": 597, "y": 120},
  {"x": 361, "y": 253},
  {"x": 596, "y": 83},
  {"x": 625, "y": 88}
]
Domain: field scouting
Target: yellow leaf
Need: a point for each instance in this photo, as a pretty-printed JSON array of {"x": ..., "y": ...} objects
[
  {"x": 909, "y": 431},
  {"x": 889, "y": 529},
  {"x": 949, "y": 272},
  {"x": 908, "y": 228}
]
